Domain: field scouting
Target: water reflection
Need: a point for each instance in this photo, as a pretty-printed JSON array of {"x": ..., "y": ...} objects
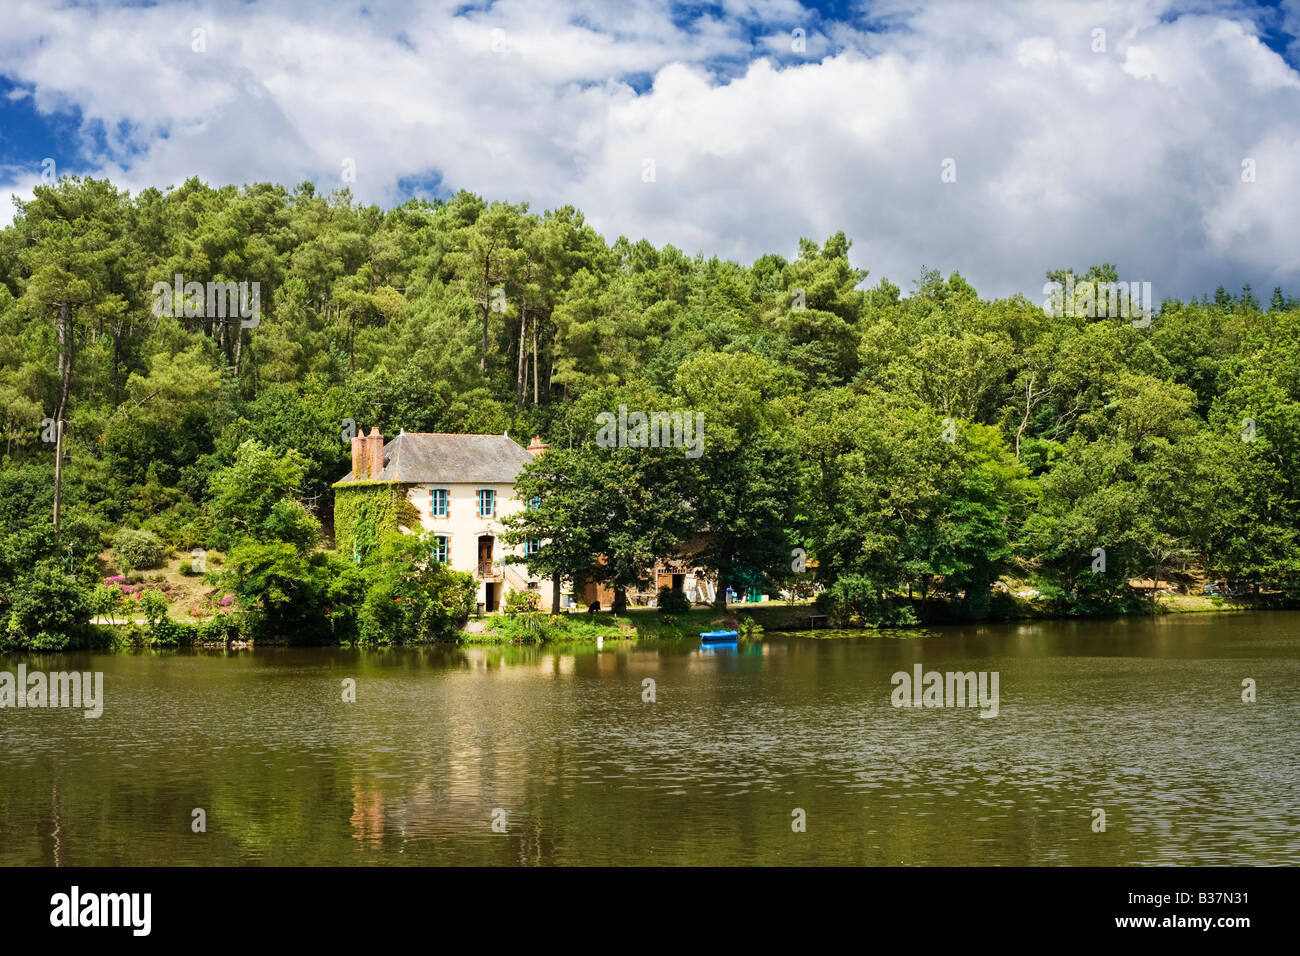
[{"x": 1142, "y": 718}]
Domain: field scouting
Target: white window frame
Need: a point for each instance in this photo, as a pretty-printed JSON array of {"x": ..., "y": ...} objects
[{"x": 433, "y": 503}]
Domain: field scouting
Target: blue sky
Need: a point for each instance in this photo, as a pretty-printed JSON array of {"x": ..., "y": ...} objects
[{"x": 1161, "y": 136}]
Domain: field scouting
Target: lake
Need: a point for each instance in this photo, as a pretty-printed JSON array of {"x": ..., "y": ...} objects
[{"x": 1140, "y": 718}]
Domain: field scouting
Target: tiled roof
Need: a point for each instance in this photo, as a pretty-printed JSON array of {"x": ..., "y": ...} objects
[{"x": 420, "y": 457}]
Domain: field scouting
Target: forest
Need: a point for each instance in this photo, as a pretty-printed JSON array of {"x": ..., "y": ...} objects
[{"x": 895, "y": 452}]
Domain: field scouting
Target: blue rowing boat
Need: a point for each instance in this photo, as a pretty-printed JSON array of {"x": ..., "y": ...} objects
[{"x": 717, "y": 637}]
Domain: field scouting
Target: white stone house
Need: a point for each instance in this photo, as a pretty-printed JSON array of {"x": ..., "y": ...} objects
[{"x": 462, "y": 487}]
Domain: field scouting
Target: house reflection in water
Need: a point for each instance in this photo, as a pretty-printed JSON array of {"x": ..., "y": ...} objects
[{"x": 368, "y": 814}]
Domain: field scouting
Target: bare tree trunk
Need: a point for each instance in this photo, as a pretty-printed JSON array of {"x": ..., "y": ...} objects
[
  {"x": 534, "y": 361},
  {"x": 65, "y": 376},
  {"x": 1029, "y": 393},
  {"x": 520, "y": 376},
  {"x": 720, "y": 598},
  {"x": 487, "y": 306},
  {"x": 58, "y": 473},
  {"x": 117, "y": 361},
  {"x": 252, "y": 366},
  {"x": 62, "y": 332},
  {"x": 555, "y": 594}
]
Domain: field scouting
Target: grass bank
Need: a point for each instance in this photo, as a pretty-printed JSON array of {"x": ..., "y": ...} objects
[
  {"x": 776, "y": 616},
  {"x": 543, "y": 628}
]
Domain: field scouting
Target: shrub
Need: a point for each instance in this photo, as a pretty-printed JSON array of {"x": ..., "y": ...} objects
[
  {"x": 165, "y": 632},
  {"x": 171, "y": 524},
  {"x": 221, "y": 629},
  {"x": 857, "y": 601},
  {"x": 523, "y": 602},
  {"x": 412, "y": 599},
  {"x": 548, "y": 628},
  {"x": 138, "y": 550},
  {"x": 153, "y": 605},
  {"x": 48, "y": 610},
  {"x": 195, "y": 533},
  {"x": 103, "y": 637},
  {"x": 529, "y": 629},
  {"x": 133, "y": 635},
  {"x": 672, "y": 601},
  {"x": 105, "y": 599},
  {"x": 295, "y": 597}
]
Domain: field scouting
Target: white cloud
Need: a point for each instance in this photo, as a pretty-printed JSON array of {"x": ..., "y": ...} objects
[{"x": 1064, "y": 155}]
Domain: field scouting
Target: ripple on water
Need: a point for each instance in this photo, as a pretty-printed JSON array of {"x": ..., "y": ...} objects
[{"x": 1150, "y": 729}]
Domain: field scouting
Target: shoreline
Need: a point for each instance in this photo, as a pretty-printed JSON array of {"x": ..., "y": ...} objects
[{"x": 581, "y": 628}]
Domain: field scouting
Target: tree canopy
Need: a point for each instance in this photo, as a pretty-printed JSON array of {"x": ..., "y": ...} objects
[{"x": 927, "y": 443}]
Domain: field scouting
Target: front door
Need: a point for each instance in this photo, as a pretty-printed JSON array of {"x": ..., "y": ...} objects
[{"x": 485, "y": 555}]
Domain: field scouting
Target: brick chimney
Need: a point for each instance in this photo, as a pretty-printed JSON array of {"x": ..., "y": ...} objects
[
  {"x": 375, "y": 446},
  {"x": 358, "y": 454},
  {"x": 367, "y": 455},
  {"x": 537, "y": 446}
]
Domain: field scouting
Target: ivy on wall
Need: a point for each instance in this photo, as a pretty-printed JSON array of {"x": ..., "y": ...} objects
[{"x": 367, "y": 511}]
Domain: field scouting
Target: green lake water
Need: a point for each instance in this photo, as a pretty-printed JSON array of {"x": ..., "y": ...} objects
[{"x": 1141, "y": 718}]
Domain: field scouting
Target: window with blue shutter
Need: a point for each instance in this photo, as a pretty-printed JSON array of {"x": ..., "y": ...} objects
[
  {"x": 440, "y": 548},
  {"x": 439, "y": 502},
  {"x": 487, "y": 503}
]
